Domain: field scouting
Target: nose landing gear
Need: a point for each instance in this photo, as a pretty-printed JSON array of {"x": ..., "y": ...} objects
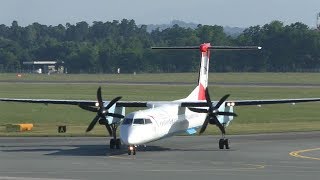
[{"x": 132, "y": 150}]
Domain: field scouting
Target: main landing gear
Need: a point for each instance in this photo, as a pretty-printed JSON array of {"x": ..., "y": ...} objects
[
  {"x": 223, "y": 142},
  {"x": 114, "y": 142}
]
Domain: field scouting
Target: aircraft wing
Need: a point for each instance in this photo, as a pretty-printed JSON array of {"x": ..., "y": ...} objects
[
  {"x": 271, "y": 101},
  {"x": 118, "y": 104},
  {"x": 74, "y": 102},
  {"x": 160, "y": 103}
]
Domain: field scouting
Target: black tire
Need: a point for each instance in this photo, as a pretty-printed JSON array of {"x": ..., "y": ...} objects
[
  {"x": 118, "y": 143},
  {"x": 226, "y": 143},
  {"x": 112, "y": 143},
  {"x": 221, "y": 143},
  {"x": 134, "y": 151},
  {"x": 129, "y": 152}
]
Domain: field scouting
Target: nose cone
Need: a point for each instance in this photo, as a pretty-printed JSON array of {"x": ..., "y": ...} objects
[{"x": 131, "y": 135}]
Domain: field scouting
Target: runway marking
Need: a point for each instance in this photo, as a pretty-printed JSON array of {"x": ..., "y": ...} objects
[
  {"x": 28, "y": 178},
  {"x": 120, "y": 157},
  {"x": 249, "y": 167},
  {"x": 297, "y": 154}
]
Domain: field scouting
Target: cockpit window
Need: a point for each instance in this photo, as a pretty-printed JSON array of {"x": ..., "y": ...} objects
[
  {"x": 127, "y": 121},
  {"x": 138, "y": 121},
  {"x": 142, "y": 121},
  {"x": 148, "y": 121}
]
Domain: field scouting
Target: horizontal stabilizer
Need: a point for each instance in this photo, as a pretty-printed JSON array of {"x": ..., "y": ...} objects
[{"x": 212, "y": 47}]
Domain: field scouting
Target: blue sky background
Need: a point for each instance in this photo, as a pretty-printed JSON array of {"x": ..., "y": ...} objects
[{"x": 235, "y": 13}]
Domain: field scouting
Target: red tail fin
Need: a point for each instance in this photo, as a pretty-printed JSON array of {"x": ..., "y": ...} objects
[{"x": 204, "y": 70}]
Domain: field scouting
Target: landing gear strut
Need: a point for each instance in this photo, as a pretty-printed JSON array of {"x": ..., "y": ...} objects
[
  {"x": 132, "y": 150},
  {"x": 223, "y": 142},
  {"x": 114, "y": 142}
]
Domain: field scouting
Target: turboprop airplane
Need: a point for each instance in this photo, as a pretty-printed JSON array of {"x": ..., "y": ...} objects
[{"x": 163, "y": 119}]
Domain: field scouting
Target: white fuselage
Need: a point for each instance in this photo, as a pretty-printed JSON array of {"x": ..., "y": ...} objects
[{"x": 166, "y": 121}]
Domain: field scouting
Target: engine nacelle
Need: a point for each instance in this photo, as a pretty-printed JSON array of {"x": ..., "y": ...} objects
[{"x": 116, "y": 110}]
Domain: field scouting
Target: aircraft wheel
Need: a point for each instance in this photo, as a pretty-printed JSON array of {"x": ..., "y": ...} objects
[
  {"x": 112, "y": 143},
  {"x": 131, "y": 150},
  {"x": 221, "y": 143},
  {"x": 118, "y": 143},
  {"x": 226, "y": 143}
]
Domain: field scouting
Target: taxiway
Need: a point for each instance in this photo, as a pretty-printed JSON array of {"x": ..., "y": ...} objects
[{"x": 287, "y": 156}]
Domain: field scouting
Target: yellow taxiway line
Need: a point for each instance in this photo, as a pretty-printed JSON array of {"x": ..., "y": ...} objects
[{"x": 297, "y": 154}]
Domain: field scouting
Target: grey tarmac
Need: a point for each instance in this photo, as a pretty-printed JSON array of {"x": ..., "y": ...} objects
[{"x": 285, "y": 156}]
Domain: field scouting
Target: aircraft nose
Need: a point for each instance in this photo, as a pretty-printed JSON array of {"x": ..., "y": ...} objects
[
  {"x": 124, "y": 134},
  {"x": 127, "y": 135}
]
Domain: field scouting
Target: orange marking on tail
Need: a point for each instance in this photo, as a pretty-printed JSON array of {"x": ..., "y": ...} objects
[{"x": 202, "y": 94}]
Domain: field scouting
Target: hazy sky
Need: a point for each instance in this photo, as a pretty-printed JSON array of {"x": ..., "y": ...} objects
[{"x": 240, "y": 13}]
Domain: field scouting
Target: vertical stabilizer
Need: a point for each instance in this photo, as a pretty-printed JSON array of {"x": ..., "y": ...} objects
[
  {"x": 199, "y": 92},
  {"x": 204, "y": 70}
]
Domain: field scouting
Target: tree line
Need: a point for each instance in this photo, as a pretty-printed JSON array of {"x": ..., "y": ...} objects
[{"x": 103, "y": 47}]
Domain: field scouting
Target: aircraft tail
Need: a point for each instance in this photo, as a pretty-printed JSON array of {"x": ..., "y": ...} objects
[
  {"x": 199, "y": 92},
  {"x": 204, "y": 71}
]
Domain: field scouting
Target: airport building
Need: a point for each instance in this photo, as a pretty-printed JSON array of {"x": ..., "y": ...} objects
[{"x": 44, "y": 67}]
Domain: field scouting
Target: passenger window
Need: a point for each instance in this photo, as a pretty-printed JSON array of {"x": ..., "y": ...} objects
[
  {"x": 148, "y": 121},
  {"x": 138, "y": 121},
  {"x": 127, "y": 121}
]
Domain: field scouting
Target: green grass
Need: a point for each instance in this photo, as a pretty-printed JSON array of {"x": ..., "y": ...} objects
[
  {"x": 296, "y": 78},
  {"x": 252, "y": 119}
]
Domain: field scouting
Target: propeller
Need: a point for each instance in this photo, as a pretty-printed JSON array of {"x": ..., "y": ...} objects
[
  {"x": 102, "y": 112},
  {"x": 213, "y": 112}
]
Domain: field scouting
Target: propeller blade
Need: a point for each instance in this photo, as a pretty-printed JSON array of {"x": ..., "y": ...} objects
[
  {"x": 225, "y": 97},
  {"x": 220, "y": 126},
  {"x": 113, "y": 101},
  {"x": 115, "y": 115},
  {"x": 108, "y": 128},
  {"x": 88, "y": 108},
  {"x": 227, "y": 114},
  {"x": 99, "y": 98},
  {"x": 208, "y": 100},
  {"x": 204, "y": 125},
  {"x": 106, "y": 123},
  {"x": 102, "y": 112},
  {"x": 93, "y": 123},
  {"x": 198, "y": 110}
]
